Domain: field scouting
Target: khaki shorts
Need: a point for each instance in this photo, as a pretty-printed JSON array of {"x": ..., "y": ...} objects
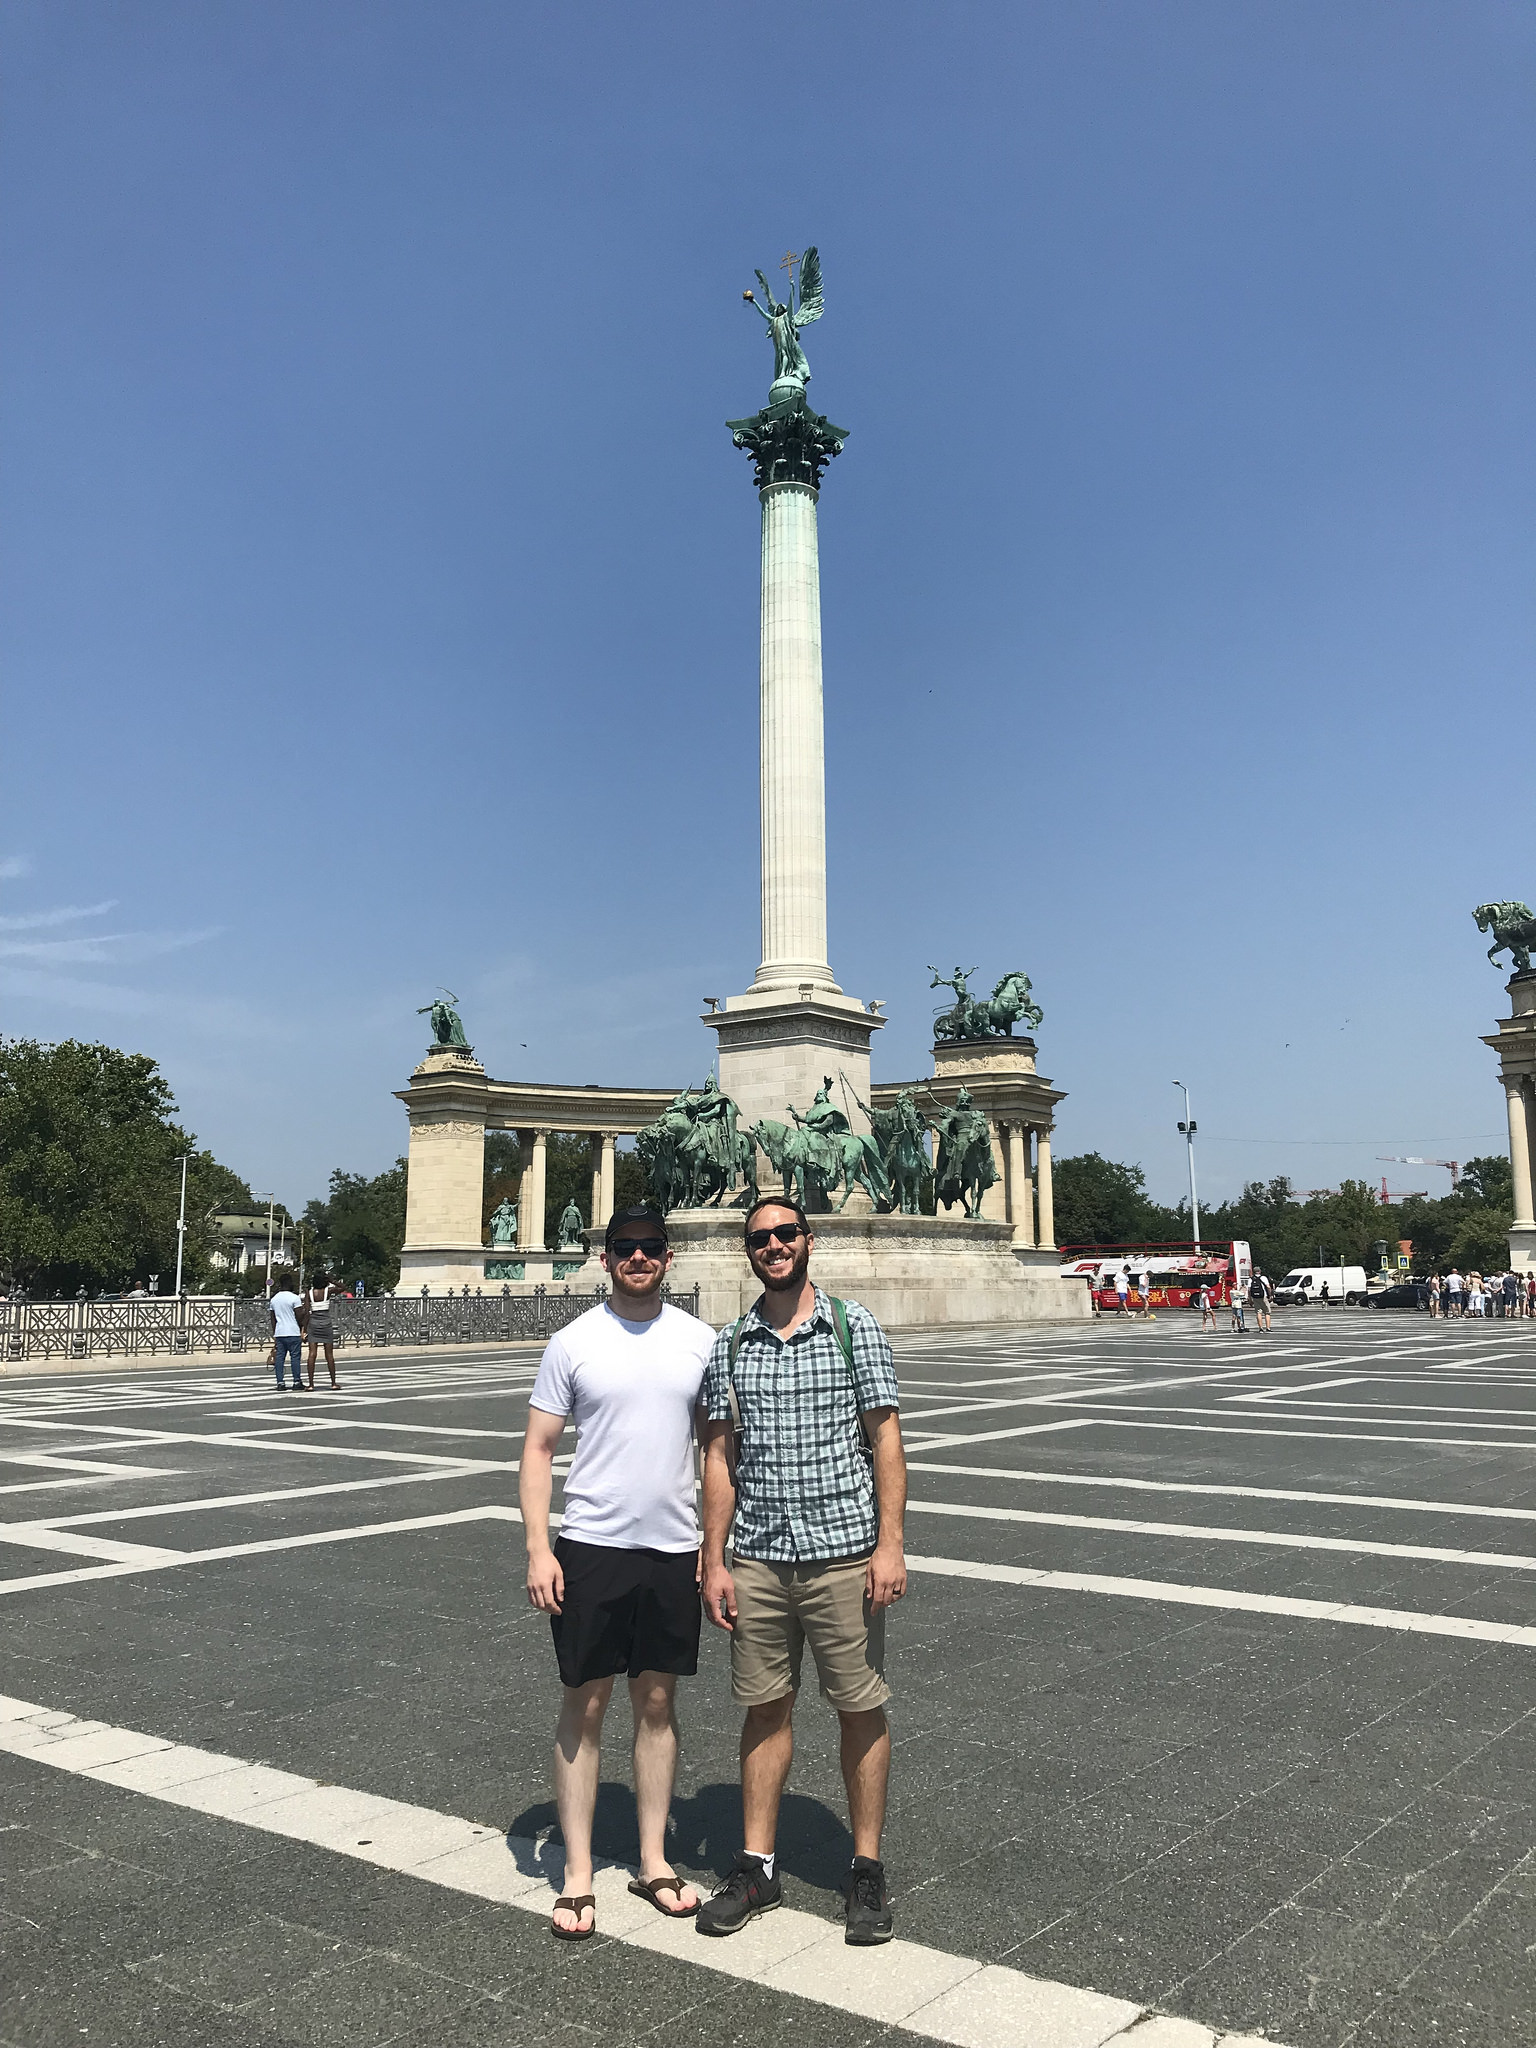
[{"x": 782, "y": 1607}]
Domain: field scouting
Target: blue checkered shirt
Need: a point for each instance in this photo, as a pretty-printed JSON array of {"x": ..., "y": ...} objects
[{"x": 805, "y": 1487}]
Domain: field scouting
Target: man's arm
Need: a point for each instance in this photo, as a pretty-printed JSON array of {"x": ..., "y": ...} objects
[
  {"x": 535, "y": 1483},
  {"x": 885, "y": 1577},
  {"x": 716, "y": 1586}
]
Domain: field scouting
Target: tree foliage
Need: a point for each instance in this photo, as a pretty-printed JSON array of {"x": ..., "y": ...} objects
[
  {"x": 357, "y": 1231},
  {"x": 90, "y": 1172}
]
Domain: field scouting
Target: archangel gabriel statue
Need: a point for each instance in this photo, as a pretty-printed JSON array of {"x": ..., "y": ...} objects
[
  {"x": 786, "y": 321},
  {"x": 447, "y": 1025}
]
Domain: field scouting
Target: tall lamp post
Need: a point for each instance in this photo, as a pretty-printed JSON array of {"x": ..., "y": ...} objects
[
  {"x": 1187, "y": 1127},
  {"x": 181, "y": 1225}
]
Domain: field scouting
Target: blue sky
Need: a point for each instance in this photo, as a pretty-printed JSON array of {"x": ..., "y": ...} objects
[{"x": 380, "y": 583}]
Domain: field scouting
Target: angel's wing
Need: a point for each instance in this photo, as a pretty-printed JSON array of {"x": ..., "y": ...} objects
[{"x": 810, "y": 307}]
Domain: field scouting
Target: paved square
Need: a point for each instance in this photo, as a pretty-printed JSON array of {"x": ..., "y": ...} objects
[{"x": 1215, "y": 1697}]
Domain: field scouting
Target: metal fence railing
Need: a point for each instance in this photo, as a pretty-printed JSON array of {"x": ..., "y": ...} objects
[{"x": 109, "y": 1329}]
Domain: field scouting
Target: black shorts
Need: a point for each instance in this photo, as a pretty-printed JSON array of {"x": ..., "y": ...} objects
[{"x": 625, "y": 1610}]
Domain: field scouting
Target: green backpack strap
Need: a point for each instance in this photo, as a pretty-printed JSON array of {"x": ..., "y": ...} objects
[
  {"x": 735, "y": 1343},
  {"x": 840, "y": 1324}
]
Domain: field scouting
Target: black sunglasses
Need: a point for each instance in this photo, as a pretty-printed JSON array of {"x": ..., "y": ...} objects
[
  {"x": 781, "y": 1233},
  {"x": 649, "y": 1247}
]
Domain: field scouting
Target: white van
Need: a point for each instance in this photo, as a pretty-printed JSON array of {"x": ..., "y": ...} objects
[{"x": 1306, "y": 1283}]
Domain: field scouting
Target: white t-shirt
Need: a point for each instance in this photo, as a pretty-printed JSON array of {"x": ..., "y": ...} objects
[
  {"x": 631, "y": 1389},
  {"x": 283, "y": 1306}
]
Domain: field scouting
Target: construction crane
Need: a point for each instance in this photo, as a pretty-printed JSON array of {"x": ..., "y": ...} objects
[
  {"x": 1401, "y": 1194},
  {"x": 1407, "y": 1159}
]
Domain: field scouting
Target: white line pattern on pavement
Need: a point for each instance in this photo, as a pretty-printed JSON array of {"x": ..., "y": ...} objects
[{"x": 924, "y": 1991}]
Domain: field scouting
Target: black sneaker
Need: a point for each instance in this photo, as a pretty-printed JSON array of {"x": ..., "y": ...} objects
[
  {"x": 740, "y": 1897},
  {"x": 869, "y": 1904}
]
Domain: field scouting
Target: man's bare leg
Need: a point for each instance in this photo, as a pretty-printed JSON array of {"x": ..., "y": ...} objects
[
  {"x": 653, "y": 1695},
  {"x": 866, "y": 1760},
  {"x": 578, "y": 1738},
  {"x": 767, "y": 1750}
]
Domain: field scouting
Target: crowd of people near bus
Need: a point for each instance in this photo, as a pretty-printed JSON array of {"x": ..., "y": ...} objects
[
  {"x": 1451, "y": 1296},
  {"x": 1506, "y": 1295}
]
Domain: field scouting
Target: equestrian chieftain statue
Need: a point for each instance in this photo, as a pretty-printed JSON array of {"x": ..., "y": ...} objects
[
  {"x": 1514, "y": 931},
  {"x": 991, "y": 1016},
  {"x": 694, "y": 1154},
  {"x": 821, "y": 1152},
  {"x": 964, "y": 1168},
  {"x": 898, "y": 1133}
]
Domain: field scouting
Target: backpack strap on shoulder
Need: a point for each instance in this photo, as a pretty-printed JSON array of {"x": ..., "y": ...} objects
[{"x": 840, "y": 1324}]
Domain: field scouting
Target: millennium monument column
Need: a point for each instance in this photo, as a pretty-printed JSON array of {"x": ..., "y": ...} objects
[{"x": 794, "y": 1026}]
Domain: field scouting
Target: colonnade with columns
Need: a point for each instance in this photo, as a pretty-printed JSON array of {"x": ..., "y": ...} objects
[{"x": 533, "y": 1145}]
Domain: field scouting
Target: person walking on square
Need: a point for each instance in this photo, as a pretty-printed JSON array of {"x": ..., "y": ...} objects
[
  {"x": 1530, "y": 1295},
  {"x": 1207, "y": 1307},
  {"x": 1511, "y": 1293},
  {"x": 1123, "y": 1290},
  {"x": 818, "y": 1491},
  {"x": 1434, "y": 1295},
  {"x": 1453, "y": 1292},
  {"x": 321, "y": 1331},
  {"x": 1235, "y": 1303},
  {"x": 287, "y": 1338},
  {"x": 1259, "y": 1293},
  {"x": 621, "y": 1583}
]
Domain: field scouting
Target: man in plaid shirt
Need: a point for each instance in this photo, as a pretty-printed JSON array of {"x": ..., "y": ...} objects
[{"x": 818, "y": 1492}]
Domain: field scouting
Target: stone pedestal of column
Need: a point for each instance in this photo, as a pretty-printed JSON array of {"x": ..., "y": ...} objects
[
  {"x": 1515, "y": 1044},
  {"x": 445, "y": 1168}
]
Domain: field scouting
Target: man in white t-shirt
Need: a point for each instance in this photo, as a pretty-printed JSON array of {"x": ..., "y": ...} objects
[
  {"x": 1453, "y": 1292},
  {"x": 620, "y": 1585},
  {"x": 287, "y": 1339}
]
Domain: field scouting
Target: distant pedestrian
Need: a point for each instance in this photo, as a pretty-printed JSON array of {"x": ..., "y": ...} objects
[
  {"x": 1235, "y": 1303},
  {"x": 1259, "y": 1293},
  {"x": 1434, "y": 1294},
  {"x": 1207, "y": 1303},
  {"x": 321, "y": 1330},
  {"x": 1146, "y": 1293},
  {"x": 1323, "y": 1295},
  {"x": 1511, "y": 1295},
  {"x": 1530, "y": 1295},
  {"x": 1453, "y": 1293},
  {"x": 1476, "y": 1306},
  {"x": 287, "y": 1338},
  {"x": 1123, "y": 1290}
]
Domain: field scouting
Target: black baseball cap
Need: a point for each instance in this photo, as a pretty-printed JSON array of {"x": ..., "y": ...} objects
[{"x": 625, "y": 1219}]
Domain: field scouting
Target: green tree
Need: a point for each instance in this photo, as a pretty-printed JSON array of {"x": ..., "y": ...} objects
[
  {"x": 1489, "y": 1180},
  {"x": 1101, "y": 1202},
  {"x": 357, "y": 1231},
  {"x": 90, "y": 1172}
]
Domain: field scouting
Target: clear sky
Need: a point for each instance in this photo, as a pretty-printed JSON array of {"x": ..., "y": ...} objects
[{"x": 379, "y": 595}]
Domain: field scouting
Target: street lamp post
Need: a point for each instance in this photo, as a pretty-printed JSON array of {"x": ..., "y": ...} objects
[
  {"x": 1187, "y": 1127},
  {"x": 181, "y": 1225}
]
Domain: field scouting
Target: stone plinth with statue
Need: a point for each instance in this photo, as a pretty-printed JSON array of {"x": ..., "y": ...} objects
[{"x": 1513, "y": 926}]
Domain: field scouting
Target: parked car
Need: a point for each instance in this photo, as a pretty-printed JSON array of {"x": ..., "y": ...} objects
[
  {"x": 1305, "y": 1283},
  {"x": 1402, "y": 1294}
]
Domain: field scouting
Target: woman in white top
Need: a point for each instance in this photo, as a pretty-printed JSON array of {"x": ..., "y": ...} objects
[
  {"x": 319, "y": 1326},
  {"x": 1474, "y": 1294}
]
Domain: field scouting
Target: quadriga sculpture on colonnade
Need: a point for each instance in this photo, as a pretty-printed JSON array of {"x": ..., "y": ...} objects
[{"x": 991, "y": 1016}]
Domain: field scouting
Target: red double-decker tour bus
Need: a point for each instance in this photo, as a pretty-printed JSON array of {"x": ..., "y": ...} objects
[{"x": 1161, "y": 1275}]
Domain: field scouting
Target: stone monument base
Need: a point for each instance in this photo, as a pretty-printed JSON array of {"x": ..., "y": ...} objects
[
  {"x": 910, "y": 1271},
  {"x": 487, "y": 1268}
]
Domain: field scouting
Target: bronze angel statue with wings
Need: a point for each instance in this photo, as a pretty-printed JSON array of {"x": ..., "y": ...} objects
[{"x": 785, "y": 322}]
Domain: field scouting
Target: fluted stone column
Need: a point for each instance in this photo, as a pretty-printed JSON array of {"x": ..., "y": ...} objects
[
  {"x": 596, "y": 1201},
  {"x": 530, "y": 1193},
  {"x": 994, "y": 1200},
  {"x": 1021, "y": 1193},
  {"x": 791, "y": 766},
  {"x": 1043, "y": 1184},
  {"x": 605, "y": 1204},
  {"x": 1517, "y": 1103}
]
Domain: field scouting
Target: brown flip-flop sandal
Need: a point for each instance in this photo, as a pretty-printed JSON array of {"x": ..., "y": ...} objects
[
  {"x": 647, "y": 1888},
  {"x": 577, "y": 1906}
]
